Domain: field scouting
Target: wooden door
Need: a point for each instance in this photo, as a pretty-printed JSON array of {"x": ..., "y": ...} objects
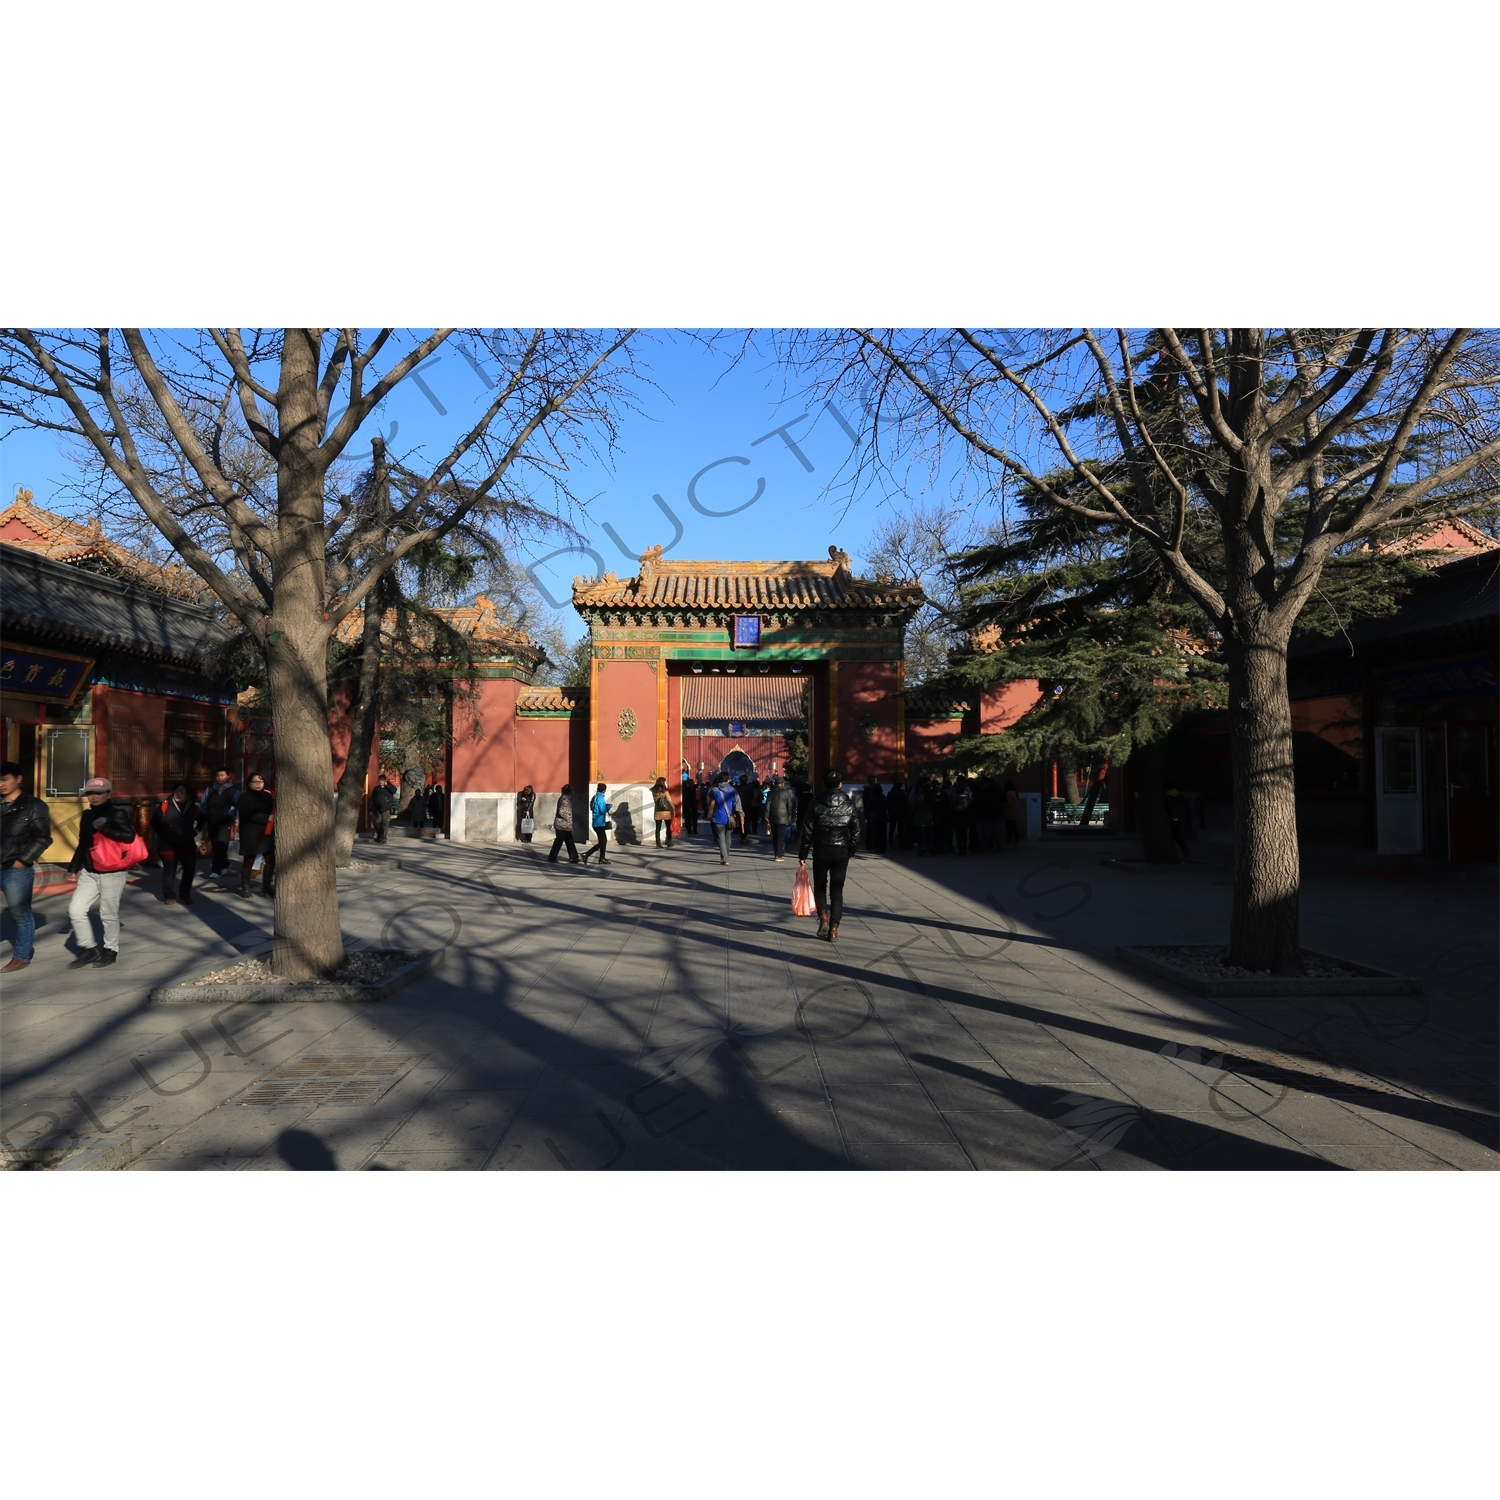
[{"x": 1471, "y": 793}]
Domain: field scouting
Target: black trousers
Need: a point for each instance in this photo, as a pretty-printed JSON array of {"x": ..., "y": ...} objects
[
  {"x": 602, "y": 834},
  {"x": 179, "y": 871},
  {"x": 267, "y": 868},
  {"x": 828, "y": 872},
  {"x": 663, "y": 825},
  {"x": 689, "y": 815},
  {"x": 558, "y": 842},
  {"x": 218, "y": 836}
]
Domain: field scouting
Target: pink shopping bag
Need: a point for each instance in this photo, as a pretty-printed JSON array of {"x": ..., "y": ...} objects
[{"x": 803, "y": 904}]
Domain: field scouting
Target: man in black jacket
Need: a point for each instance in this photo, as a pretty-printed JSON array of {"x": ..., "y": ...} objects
[
  {"x": 177, "y": 821},
  {"x": 103, "y": 818},
  {"x": 25, "y": 832},
  {"x": 219, "y": 816},
  {"x": 830, "y": 833},
  {"x": 383, "y": 802},
  {"x": 781, "y": 809}
]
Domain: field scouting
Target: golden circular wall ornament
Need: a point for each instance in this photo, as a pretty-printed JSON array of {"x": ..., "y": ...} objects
[{"x": 626, "y": 723}]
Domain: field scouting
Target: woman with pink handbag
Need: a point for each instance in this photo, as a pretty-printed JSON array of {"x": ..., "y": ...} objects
[{"x": 107, "y": 847}]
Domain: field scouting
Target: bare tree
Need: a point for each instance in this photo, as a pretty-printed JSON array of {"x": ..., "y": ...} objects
[
  {"x": 919, "y": 541},
  {"x": 229, "y": 443},
  {"x": 1293, "y": 445}
]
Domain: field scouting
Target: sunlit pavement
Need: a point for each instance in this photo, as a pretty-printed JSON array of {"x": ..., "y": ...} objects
[{"x": 663, "y": 1012}]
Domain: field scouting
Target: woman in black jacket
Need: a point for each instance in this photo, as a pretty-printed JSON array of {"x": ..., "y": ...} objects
[
  {"x": 525, "y": 808},
  {"x": 257, "y": 808},
  {"x": 177, "y": 822}
]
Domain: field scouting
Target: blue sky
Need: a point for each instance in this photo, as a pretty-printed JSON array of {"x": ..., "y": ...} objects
[{"x": 707, "y": 412}]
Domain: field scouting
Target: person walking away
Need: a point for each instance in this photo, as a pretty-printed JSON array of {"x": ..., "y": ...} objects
[
  {"x": 781, "y": 809},
  {"x": 963, "y": 814},
  {"x": 562, "y": 827},
  {"x": 177, "y": 822},
  {"x": 25, "y": 833},
  {"x": 723, "y": 803},
  {"x": 257, "y": 838},
  {"x": 831, "y": 835},
  {"x": 599, "y": 818},
  {"x": 1179, "y": 818},
  {"x": 1012, "y": 806},
  {"x": 897, "y": 805},
  {"x": 661, "y": 800},
  {"x": 219, "y": 799},
  {"x": 383, "y": 802},
  {"x": 987, "y": 810},
  {"x": 526, "y": 808},
  {"x": 437, "y": 805},
  {"x": 689, "y": 804},
  {"x": 874, "y": 818},
  {"x": 103, "y": 818},
  {"x": 942, "y": 816},
  {"x": 416, "y": 809},
  {"x": 922, "y": 816},
  {"x": 754, "y": 801}
]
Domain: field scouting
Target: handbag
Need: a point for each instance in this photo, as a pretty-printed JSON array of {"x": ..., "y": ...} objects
[
  {"x": 205, "y": 848},
  {"x": 528, "y": 824},
  {"x": 676, "y": 826},
  {"x": 804, "y": 903},
  {"x": 108, "y": 856}
]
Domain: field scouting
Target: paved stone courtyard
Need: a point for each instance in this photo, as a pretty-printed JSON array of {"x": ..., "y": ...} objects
[{"x": 664, "y": 1013}]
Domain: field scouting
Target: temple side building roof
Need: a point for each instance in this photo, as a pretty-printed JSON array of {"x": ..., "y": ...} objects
[
  {"x": 57, "y": 601},
  {"x": 754, "y": 699},
  {"x": 702, "y": 585},
  {"x": 1440, "y": 542},
  {"x": 26, "y": 525},
  {"x": 480, "y": 622},
  {"x": 550, "y": 699}
]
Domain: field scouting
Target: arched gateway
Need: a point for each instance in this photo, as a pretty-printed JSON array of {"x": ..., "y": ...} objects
[{"x": 694, "y": 662}]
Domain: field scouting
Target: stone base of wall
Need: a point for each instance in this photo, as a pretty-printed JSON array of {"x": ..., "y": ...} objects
[{"x": 490, "y": 817}]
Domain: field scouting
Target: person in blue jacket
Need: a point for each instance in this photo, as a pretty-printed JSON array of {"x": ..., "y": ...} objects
[
  {"x": 599, "y": 816},
  {"x": 723, "y": 804}
]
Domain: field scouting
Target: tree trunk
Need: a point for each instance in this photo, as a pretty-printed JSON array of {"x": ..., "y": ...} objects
[
  {"x": 1070, "y": 787},
  {"x": 1095, "y": 785},
  {"x": 309, "y": 939},
  {"x": 1265, "y": 927},
  {"x": 362, "y": 713},
  {"x": 1157, "y": 843}
]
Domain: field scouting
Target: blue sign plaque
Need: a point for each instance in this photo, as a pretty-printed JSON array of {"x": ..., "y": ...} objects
[{"x": 746, "y": 630}]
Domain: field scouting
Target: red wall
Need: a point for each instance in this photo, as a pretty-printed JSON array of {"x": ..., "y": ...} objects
[
  {"x": 621, "y": 685},
  {"x": 488, "y": 764},
  {"x": 712, "y": 748},
  {"x": 542, "y": 758},
  {"x": 928, "y": 740},
  {"x": 1001, "y": 704},
  {"x": 867, "y": 687}
]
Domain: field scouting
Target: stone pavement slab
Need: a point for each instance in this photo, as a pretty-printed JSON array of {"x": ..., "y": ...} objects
[{"x": 666, "y": 1014}]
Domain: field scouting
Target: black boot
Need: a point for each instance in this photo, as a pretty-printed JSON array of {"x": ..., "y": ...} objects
[
  {"x": 85, "y": 956},
  {"x": 106, "y": 957}
]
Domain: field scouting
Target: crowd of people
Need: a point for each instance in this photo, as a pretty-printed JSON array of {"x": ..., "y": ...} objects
[
  {"x": 940, "y": 813},
  {"x": 935, "y": 814},
  {"x": 187, "y": 827}
]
